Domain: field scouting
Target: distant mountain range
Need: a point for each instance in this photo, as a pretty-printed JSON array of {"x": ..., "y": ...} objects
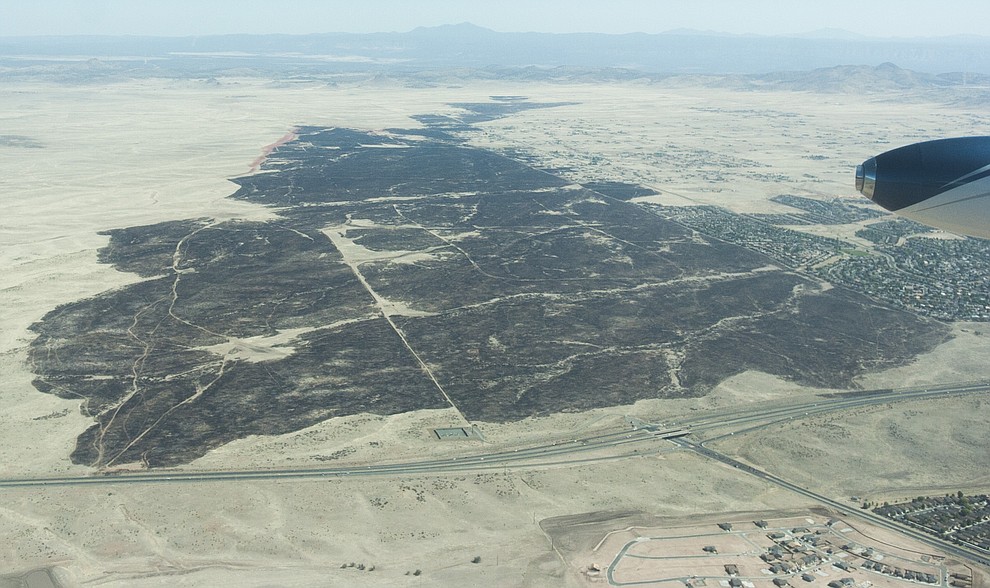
[{"x": 469, "y": 47}]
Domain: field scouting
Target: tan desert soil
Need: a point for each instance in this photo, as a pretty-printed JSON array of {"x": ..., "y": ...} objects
[{"x": 149, "y": 151}]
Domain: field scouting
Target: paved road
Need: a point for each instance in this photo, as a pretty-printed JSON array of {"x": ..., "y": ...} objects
[
  {"x": 573, "y": 451},
  {"x": 745, "y": 420},
  {"x": 609, "y": 446},
  {"x": 867, "y": 515},
  {"x": 752, "y": 421}
]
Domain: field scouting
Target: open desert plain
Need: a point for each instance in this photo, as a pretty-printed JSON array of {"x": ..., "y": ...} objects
[{"x": 476, "y": 332}]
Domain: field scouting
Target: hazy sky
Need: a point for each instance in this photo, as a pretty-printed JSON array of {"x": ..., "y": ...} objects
[{"x": 884, "y": 18}]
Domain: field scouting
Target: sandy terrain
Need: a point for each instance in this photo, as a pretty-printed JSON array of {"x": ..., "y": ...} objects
[
  {"x": 883, "y": 454},
  {"x": 145, "y": 152},
  {"x": 732, "y": 149}
]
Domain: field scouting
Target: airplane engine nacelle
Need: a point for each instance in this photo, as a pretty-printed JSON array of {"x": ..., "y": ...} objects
[{"x": 943, "y": 183}]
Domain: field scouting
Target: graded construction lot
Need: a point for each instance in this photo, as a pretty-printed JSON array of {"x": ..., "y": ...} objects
[
  {"x": 137, "y": 154},
  {"x": 792, "y": 549}
]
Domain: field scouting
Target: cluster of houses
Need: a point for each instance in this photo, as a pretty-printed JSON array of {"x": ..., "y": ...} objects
[
  {"x": 801, "y": 551},
  {"x": 795, "y": 554},
  {"x": 963, "y": 519},
  {"x": 898, "y": 572},
  {"x": 734, "y": 582}
]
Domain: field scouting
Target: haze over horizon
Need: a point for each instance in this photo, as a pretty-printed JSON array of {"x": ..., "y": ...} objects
[{"x": 916, "y": 18}]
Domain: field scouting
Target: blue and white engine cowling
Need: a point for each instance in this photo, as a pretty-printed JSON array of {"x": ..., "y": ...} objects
[{"x": 943, "y": 183}]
